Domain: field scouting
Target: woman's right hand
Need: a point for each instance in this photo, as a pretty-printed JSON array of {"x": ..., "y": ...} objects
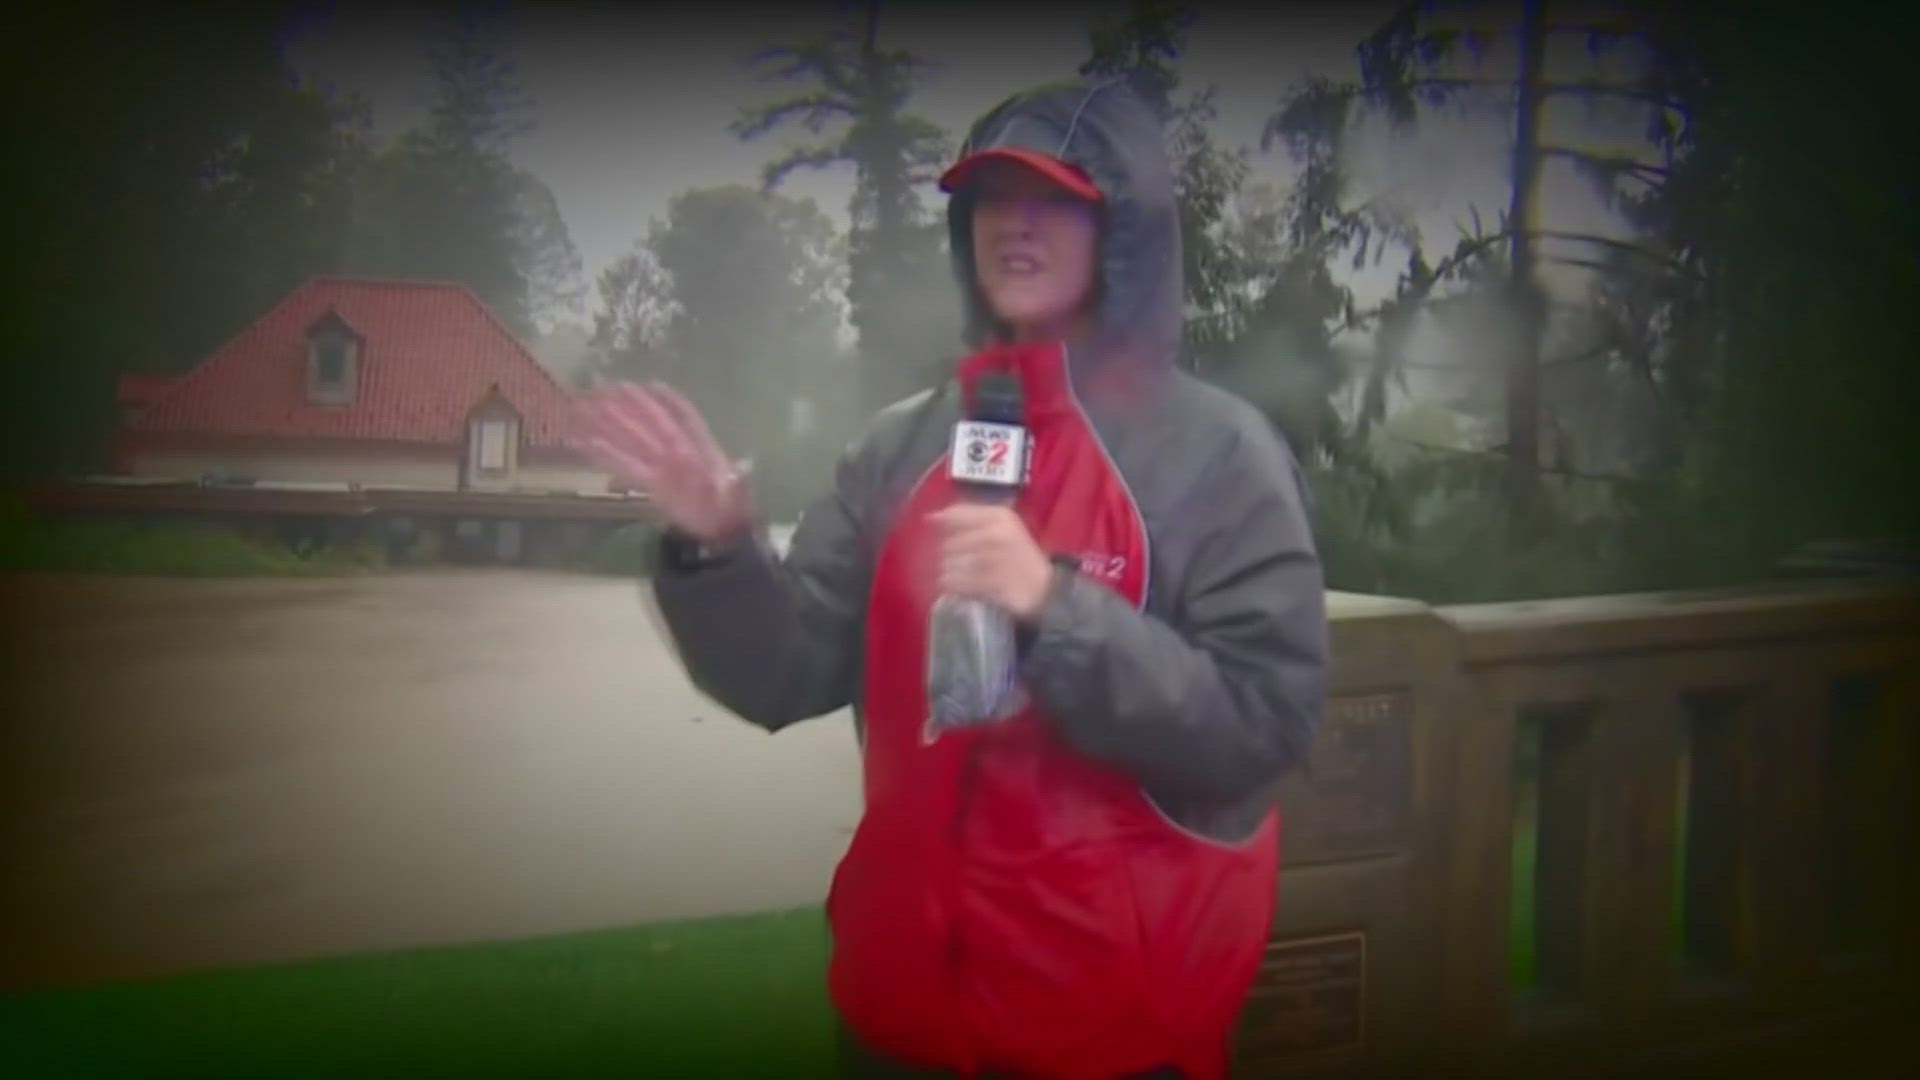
[{"x": 656, "y": 440}]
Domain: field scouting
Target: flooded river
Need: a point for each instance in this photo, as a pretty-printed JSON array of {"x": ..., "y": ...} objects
[{"x": 210, "y": 773}]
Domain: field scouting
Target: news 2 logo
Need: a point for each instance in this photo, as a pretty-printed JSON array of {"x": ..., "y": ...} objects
[
  {"x": 988, "y": 453},
  {"x": 1102, "y": 566}
]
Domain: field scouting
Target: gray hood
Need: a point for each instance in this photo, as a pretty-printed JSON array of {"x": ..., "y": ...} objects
[
  {"x": 1108, "y": 130},
  {"x": 1208, "y": 691}
]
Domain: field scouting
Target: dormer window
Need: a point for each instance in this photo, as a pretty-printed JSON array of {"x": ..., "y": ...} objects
[
  {"x": 493, "y": 439},
  {"x": 333, "y": 361},
  {"x": 330, "y": 363}
]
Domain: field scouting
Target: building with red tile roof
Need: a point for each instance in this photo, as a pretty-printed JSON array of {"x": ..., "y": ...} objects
[{"x": 367, "y": 383}]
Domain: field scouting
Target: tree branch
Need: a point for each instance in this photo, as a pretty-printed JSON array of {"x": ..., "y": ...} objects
[
  {"x": 804, "y": 157},
  {"x": 1594, "y": 353},
  {"x": 1600, "y": 89},
  {"x": 1500, "y": 452},
  {"x": 1613, "y": 163},
  {"x": 1418, "y": 293},
  {"x": 818, "y": 59},
  {"x": 1585, "y": 264},
  {"x": 1624, "y": 247},
  {"x": 813, "y": 109},
  {"x": 1468, "y": 249},
  {"x": 1593, "y": 89}
]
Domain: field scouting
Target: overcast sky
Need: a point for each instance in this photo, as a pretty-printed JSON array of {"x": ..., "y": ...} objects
[{"x": 633, "y": 101}]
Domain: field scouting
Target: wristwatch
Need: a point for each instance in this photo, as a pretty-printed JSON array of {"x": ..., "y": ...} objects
[
  {"x": 1025, "y": 632},
  {"x": 685, "y": 552}
]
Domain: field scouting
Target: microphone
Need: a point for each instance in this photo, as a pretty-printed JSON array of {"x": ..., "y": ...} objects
[{"x": 972, "y": 664}]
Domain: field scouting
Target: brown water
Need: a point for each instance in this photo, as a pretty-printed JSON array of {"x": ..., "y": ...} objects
[{"x": 211, "y": 773}]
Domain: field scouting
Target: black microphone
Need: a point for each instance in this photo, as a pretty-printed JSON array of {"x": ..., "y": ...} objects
[
  {"x": 988, "y": 462},
  {"x": 972, "y": 658}
]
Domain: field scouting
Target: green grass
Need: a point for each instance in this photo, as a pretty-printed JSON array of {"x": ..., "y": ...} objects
[
  {"x": 29, "y": 543},
  {"x": 1520, "y": 925},
  {"x": 738, "y": 996}
]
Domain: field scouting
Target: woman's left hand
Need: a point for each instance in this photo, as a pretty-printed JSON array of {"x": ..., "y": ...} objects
[{"x": 987, "y": 552}]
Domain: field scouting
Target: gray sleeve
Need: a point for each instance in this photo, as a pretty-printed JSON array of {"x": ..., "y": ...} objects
[
  {"x": 1225, "y": 695},
  {"x": 776, "y": 641}
]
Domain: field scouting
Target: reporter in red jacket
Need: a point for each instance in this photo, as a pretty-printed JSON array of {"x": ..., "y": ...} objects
[{"x": 1083, "y": 890}]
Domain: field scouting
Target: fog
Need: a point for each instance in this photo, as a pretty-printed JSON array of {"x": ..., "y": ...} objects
[{"x": 632, "y": 108}]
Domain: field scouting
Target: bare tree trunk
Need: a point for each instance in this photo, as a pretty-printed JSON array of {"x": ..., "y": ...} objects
[
  {"x": 887, "y": 181},
  {"x": 1523, "y": 371}
]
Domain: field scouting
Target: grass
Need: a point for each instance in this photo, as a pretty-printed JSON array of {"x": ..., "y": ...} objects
[
  {"x": 29, "y": 543},
  {"x": 736, "y": 996},
  {"x": 1521, "y": 927}
]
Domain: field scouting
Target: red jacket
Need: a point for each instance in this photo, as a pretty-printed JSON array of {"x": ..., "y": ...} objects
[
  {"x": 1007, "y": 901},
  {"x": 1085, "y": 890}
]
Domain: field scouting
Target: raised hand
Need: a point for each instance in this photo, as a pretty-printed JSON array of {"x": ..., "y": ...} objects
[{"x": 655, "y": 439}]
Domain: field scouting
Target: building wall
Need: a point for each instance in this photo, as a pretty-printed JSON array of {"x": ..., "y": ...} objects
[
  {"x": 547, "y": 477},
  {"x": 400, "y": 468},
  {"x": 369, "y": 468}
]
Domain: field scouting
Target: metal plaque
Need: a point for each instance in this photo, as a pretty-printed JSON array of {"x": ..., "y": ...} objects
[
  {"x": 1354, "y": 796},
  {"x": 1309, "y": 1002}
]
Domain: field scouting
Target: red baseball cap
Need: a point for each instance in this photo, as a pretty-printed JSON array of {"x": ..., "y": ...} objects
[{"x": 1064, "y": 173}]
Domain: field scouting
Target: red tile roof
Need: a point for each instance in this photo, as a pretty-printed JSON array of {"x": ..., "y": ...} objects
[
  {"x": 431, "y": 351},
  {"x": 142, "y": 389}
]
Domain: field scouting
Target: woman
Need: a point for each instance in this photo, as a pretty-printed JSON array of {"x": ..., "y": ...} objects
[{"x": 1085, "y": 889}]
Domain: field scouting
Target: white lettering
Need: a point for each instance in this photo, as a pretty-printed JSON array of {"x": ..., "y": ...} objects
[
  {"x": 1105, "y": 567},
  {"x": 985, "y": 453}
]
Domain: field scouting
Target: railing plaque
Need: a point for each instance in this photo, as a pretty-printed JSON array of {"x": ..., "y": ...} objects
[
  {"x": 1353, "y": 796},
  {"x": 1308, "y": 1004}
]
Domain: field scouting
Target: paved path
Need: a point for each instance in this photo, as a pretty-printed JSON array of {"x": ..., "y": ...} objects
[{"x": 209, "y": 773}]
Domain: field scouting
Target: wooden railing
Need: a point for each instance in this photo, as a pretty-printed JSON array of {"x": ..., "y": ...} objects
[{"x": 1589, "y": 829}]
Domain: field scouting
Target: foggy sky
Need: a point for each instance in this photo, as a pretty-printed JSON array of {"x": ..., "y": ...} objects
[{"x": 632, "y": 102}]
